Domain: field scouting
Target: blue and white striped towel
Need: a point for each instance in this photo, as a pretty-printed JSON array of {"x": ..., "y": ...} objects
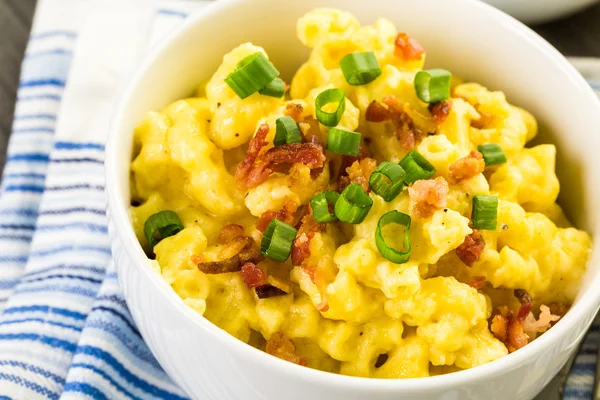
[{"x": 65, "y": 331}]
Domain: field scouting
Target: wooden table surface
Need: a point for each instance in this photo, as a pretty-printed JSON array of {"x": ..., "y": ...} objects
[{"x": 578, "y": 35}]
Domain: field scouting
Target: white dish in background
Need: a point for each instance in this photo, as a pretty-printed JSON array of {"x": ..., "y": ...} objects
[
  {"x": 538, "y": 11},
  {"x": 467, "y": 37}
]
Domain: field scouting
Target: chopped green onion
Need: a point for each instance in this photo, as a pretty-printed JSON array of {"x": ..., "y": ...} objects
[
  {"x": 251, "y": 74},
  {"x": 416, "y": 167},
  {"x": 278, "y": 240},
  {"x": 387, "y": 180},
  {"x": 287, "y": 131},
  {"x": 485, "y": 212},
  {"x": 433, "y": 85},
  {"x": 327, "y": 97},
  {"x": 343, "y": 142},
  {"x": 492, "y": 154},
  {"x": 161, "y": 225},
  {"x": 360, "y": 68},
  {"x": 275, "y": 88},
  {"x": 353, "y": 204},
  {"x": 320, "y": 205},
  {"x": 389, "y": 253}
]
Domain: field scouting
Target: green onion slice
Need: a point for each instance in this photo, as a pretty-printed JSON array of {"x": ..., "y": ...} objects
[
  {"x": 416, "y": 167},
  {"x": 492, "y": 154},
  {"x": 327, "y": 97},
  {"x": 287, "y": 131},
  {"x": 251, "y": 74},
  {"x": 485, "y": 212},
  {"x": 161, "y": 225},
  {"x": 387, "y": 180},
  {"x": 277, "y": 240},
  {"x": 320, "y": 205},
  {"x": 275, "y": 88},
  {"x": 360, "y": 68},
  {"x": 389, "y": 253},
  {"x": 343, "y": 142},
  {"x": 353, "y": 204},
  {"x": 433, "y": 85}
]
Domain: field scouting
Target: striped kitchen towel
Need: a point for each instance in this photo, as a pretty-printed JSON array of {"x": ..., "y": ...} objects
[{"x": 65, "y": 331}]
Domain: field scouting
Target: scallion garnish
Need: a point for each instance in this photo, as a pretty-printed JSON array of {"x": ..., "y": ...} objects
[
  {"x": 287, "y": 131},
  {"x": 327, "y": 97},
  {"x": 485, "y": 212},
  {"x": 353, "y": 204},
  {"x": 360, "y": 68},
  {"x": 389, "y": 253},
  {"x": 161, "y": 225},
  {"x": 416, "y": 167},
  {"x": 275, "y": 88},
  {"x": 433, "y": 85},
  {"x": 320, "y": 204},
  {"x": 343, "y": 142},
  {"x": 492, "y": 154},
  {"x": 277, "y": 240},
  {"x": 251, "y": 74},
  {"x": 387, "y": 180}
]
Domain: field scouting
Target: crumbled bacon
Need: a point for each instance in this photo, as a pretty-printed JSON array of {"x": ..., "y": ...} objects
[
  {"x": 230, "y": 232},
  {"x": 308, "y": 154},
  {"x": 254, "y": 169},
  {"x": 470, "y": 249},
  {"x": 306, "y": 231},
  {"x": 267, "y": 291},
  {"x": 282, "y": 347},
  {"x": 516, "y": 335},
  {"x": 440, "y": 110},
  {"x": 376, "y": 112},
  {"x": 466, "y": 167},
  {"x": 526, "y": 303},
  {"x": 406, "y": 131},
  {"x": 252, "y": 275},
  {"x": 286, "y": 214},
  {"x": 294, "y": 110},
  {"x": 499, "y": 326},
  {"x": 407, "y": 48},
  {"x": 359, "y": 172},
  {"x": 544, "y": 322},
  {"x": 478, "y": 282},
  {"x": 250, "y": 252},
  {"x": 428, "y": 196}
]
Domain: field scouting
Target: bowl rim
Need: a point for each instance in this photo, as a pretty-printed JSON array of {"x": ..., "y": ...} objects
[{"x": 118, "y": 214}]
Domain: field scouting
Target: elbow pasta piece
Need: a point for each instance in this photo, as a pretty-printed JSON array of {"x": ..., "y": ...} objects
[{"x": 345, "y": 307}]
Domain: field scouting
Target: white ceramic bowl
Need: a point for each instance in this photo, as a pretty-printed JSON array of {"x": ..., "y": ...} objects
[
  {"x": 537, "y": 11},
  {"x": 467, "y": 37}
]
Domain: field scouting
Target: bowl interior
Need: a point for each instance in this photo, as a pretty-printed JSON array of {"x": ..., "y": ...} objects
[{"x": 468, "y": 38}]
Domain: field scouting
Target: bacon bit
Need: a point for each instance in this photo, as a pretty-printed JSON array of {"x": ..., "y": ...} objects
[
  {"x": 440, "y": 110},
  {"x": 478, "y": 282},
  {"x": 499, "y": 327},
  {"x": 301, "y": 248},
  {"x": 286, "y": 214},
  {"x": 254, "y": 169},
  {"x": 526, "y": 303},
  {"x": 407, "y": 48},
  {"x": 428, "y": 196},
  {"x": 283, "y": 347},
  {"x": 359, "y": 172},
  {"x": 294, "y": 110},
  {"x": 466, "y": 167},
  {"x": 559, "y": 309},
  {"x": 406, "y": 131},
  {"x": 267, "y": 291},
  {"x": 230, "y": 232},
  {"x": 308, "y": 154},
  {"x": 250, "y": 252},
  {"x": 470, "y": 249},
  {"x": 516, "y": 335},
  {"x": 543, "y": 323},
  {"x": 252, "y": 275},
  {"x": 376, "y": 112}
]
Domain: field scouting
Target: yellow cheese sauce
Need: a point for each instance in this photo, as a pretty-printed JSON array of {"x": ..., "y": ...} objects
[{"x": 347, "y": 309}]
